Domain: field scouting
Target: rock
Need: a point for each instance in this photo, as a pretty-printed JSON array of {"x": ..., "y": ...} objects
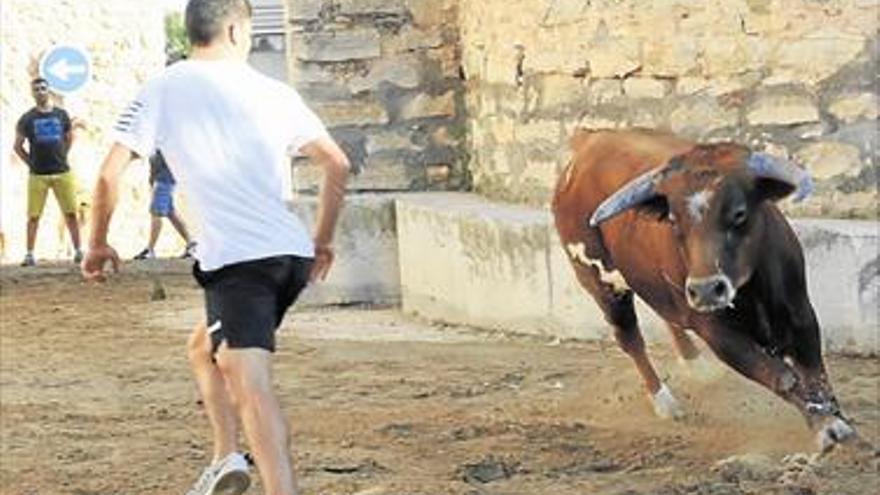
[
  {"x": 487, "y": 471},
  {"x": 747, "y": 467}
]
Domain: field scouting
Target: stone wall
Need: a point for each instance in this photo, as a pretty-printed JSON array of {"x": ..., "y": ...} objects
[
  {"x": 126, "y": 42},
  {"x": 384, "y": 76},
  {"x": 794, "y": 76}
]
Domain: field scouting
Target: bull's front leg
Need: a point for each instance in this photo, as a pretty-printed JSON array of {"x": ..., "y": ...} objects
[
  {"x": 803, "y": 353},
  {"x": 813, "y": 398}
]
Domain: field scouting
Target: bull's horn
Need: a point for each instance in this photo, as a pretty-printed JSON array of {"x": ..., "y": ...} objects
[
  {"x": 630, "y": 194},
  {"x": 768, "y": 166}
]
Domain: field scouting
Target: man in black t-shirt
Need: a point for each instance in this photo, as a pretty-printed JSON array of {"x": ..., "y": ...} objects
[{"x": 47, "y": 131}]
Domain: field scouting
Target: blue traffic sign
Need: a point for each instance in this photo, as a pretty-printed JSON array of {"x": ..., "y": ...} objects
[{"x": 66, "y": 68}]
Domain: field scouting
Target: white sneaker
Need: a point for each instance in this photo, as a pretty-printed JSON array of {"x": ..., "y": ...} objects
[{"x": 228, "y": 476}]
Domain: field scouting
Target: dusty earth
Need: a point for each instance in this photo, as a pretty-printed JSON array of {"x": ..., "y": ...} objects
[{"x": 96, "y": 399}]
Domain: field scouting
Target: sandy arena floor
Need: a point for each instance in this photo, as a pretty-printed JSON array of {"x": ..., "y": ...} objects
[{"x": 96, "y": 399}]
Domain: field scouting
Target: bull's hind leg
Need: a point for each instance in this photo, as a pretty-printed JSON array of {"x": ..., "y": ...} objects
[{"x": 616, "y": 301}]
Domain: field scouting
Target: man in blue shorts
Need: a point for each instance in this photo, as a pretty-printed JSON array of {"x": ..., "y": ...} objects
[
  {"x": 226, "y": 131},
  {"x": 162, "y": 205}
]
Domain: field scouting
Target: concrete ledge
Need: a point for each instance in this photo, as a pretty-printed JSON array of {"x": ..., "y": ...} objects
[
  {"x": 466, "y": 260},
  {"x": 366, "y": 265}
]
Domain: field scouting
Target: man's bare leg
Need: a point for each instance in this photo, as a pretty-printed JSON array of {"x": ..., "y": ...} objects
[
  {"x": 73, "y": 228},
  {"x": 216, "y": 399},
  {"x": 32, "y": 224},
  {"x": 155, "y": 229},
  {"x": 179, "y": 226},
  {"x": 249, "y": 377}
]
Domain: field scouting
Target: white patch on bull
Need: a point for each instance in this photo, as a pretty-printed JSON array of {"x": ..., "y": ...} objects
[
  {"x": 666, "y": 406},
  {"x": 698, "y": 203},
  {"x": 578, "y": 253}
]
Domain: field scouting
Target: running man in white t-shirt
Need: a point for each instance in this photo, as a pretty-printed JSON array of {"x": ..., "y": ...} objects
[{"x": 226, "y": 131}]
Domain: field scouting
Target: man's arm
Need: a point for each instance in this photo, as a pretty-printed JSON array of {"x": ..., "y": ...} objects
[
  {"x": 107, "y": 191},
  {"x": 327, "y": 154},
  {"x": 70, "y": 133},
  {"x": 19, "y": 148},
  {"x": 103, "y": 203}
]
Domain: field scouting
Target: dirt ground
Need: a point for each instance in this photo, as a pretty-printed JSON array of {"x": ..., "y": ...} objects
[{"x": 96, "y": 399}]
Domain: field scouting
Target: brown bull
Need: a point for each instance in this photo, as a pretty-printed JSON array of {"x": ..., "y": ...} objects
[{"x": 694, "y": 231}]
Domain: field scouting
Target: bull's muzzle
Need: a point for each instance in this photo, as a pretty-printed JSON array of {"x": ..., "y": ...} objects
[{"x": 710, "y": 293}]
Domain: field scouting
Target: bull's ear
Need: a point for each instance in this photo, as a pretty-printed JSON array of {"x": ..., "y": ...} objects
[
  {"x": 776, "y": 178},
  {"x": 656, "y": 208},
  {"x": 772, "y": 189}
]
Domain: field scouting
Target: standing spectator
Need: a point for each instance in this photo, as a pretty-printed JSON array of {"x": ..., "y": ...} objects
[
  {"x": 162, "y": 205},
  {"x": 48, "y": 133},
  {"x": 226, "y": 130}
]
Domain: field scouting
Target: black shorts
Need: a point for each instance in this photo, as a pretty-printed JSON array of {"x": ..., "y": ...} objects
[{"x": 245, "y": 302}]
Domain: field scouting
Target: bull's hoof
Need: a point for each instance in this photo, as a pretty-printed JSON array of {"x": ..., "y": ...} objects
[
  {"x": 666, "y": 406},
  {"x": 835, "y": 431},
  {"x": 702, "y": 368}
]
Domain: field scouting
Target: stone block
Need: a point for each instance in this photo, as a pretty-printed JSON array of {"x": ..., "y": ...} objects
[
  {"x": 699, "y": 117},
  {"x": 308, "y": 73},
  {"x": 388, "y": 140},
  {"x": 605, "y": 91},
  {"x": 338, "y": 46},
  {"x": 560, "y": 90},
  {"x": 725, "y": 56},
  {"x": 305, "y": 10},
  {"x": 783, "y": 109},
  {"x": 429, "y": 12},
  {"x": 371, "y": 7},
  {"x": 426, "y": 106},
  {"x": 849, "y": 108},
  {"x": 352, "y": 113},
  {"x": 534, "y": 132},
  {"x": 827, "y": 159},
  {"x": 385, "y": 171},
  {"x": 671, "y": 57},
  {"x": 401, "y": 71},
  {"x": 644, "y": 87},
  {"x": 561, "y": 12},
  {"x": 818, "y": 55},
  {"x": 411, "y": 39},
  {"x": 615, "y": 57}
]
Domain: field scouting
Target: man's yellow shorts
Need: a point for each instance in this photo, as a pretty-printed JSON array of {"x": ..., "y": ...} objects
[{"x": 62, "y": 185}]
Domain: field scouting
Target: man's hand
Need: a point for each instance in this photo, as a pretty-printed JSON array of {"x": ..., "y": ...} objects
[
  {"x": 323, "y": 260},
  {"x": 96, "y": 260}
]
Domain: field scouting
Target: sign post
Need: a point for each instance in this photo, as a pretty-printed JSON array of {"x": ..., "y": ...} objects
[{"x": 67, "y": 68}]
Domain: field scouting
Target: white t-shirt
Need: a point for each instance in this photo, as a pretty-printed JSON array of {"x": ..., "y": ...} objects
[{"x": 226, "y": 132}]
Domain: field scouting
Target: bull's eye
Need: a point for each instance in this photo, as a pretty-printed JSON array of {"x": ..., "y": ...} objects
[{"x": 739, "y": 217}]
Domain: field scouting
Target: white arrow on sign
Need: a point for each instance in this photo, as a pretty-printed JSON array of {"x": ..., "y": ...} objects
[{"x": 62, "y": 69}]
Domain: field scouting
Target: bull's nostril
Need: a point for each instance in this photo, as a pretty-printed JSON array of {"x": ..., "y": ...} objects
[
  {"x": 692, "y": 293},
  {"x": 719, "y": 289}
]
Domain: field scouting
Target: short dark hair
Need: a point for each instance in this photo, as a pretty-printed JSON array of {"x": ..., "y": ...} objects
[
  {"x": 205, "y": 18},
  {"x": 38, "y": 80}
]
